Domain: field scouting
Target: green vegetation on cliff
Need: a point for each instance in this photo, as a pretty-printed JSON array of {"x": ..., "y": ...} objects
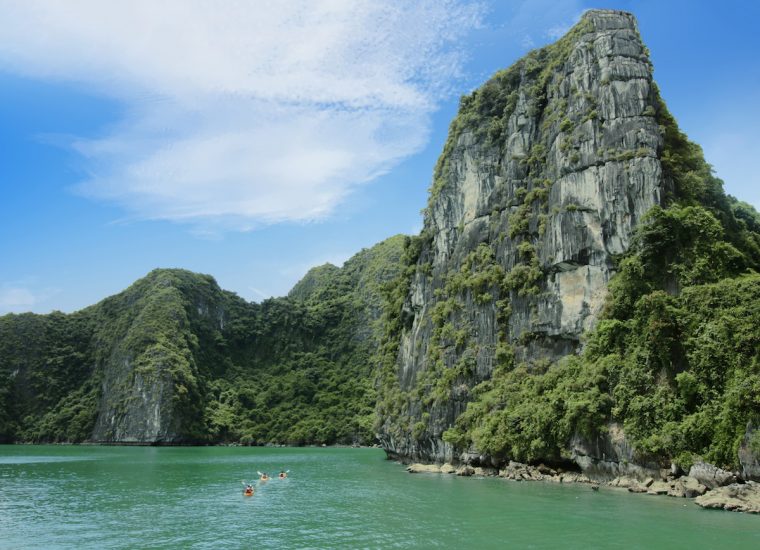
[
  {"x": 306, "y": 376},
  {"x": 582, "y": 174},
  {"x": 219, "y": 369},
  {"x": 46, "y": 376},
  {"x": 676, "y": 358}
]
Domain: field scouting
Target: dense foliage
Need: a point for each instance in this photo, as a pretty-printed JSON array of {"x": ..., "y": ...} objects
[
  {"x": 676, "y": 359},
  {"x": 289, "y": 370},
  {"x": 307, "y": 375},
  {"x": 46, "y": 376}
]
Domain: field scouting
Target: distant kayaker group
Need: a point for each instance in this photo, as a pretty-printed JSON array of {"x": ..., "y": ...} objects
[{"x": 263, "y": 476}]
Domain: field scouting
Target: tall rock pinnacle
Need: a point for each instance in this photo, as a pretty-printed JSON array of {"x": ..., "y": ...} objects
[{"x": 547, "y": 169}]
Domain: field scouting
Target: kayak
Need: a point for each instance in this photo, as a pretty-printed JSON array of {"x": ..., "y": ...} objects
[
  {"x": 248, "y": 493},
  {"x": 283, "y": 475}
]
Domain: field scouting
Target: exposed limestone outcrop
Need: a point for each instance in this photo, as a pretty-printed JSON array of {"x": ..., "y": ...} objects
[
  {"x": 749, "y": 457},
  {"x": 147, "y": 382},
  {"x": 145, "y": 414},
  {"x": 609, "y": 455},
  {"x": 554, "y": 190},
  {"x": 711, "y": 476},
  {"x": 417, "y": 468},
  {"x": 736, "y": 498},
  {"x": 681, "y": 487},
  {"x": 686, "y": 487}
]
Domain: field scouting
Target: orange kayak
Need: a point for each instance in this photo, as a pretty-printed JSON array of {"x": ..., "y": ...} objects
[{"x": 248, "y": 493}]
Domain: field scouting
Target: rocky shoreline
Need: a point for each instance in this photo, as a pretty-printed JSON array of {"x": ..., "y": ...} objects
[
  {"x": 737, "y": 497},
  {"x": 710, "y": 486}
]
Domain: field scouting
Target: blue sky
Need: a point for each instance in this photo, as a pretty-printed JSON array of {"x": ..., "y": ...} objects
[{"x": 252, "y": 144}]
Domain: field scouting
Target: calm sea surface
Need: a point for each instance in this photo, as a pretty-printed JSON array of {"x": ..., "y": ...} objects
[{"x": 148, "y": 497}]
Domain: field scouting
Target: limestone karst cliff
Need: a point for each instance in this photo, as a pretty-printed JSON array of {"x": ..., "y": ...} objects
[
  {"x": 548, "y": 173},
  {"x": 547, "y": 170}
]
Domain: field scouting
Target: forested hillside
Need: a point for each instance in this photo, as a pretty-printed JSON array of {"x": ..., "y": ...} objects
[{"x": 175, "y": 359}]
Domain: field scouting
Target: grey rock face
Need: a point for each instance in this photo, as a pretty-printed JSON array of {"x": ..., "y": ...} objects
[
  {"x": 145, "y": 395},
  {"x": 609, "y": 456},
  {"x": 136, "y": 407},
  {"x": 736, "y": 498},
  {"x": 572, "y": 171},
  {"x": 686, "y": 487},
  {"x": 748, "y": 457},
  {"x": 711, "y": 476}
]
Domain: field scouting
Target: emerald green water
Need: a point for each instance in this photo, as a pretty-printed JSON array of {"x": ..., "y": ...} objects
[{"x": 148, "y": 497}]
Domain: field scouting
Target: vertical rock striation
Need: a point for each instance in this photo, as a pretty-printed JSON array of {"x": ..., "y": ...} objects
[
  {"x": 150, "y": 344},
  {"x": 547, "y": 170}
]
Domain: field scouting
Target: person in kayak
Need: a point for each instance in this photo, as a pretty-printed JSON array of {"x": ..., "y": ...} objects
[
  {"x": 264, "y": 476},
  {"x": 283, "y": 474},
  {"x": 248, "y": 491}
]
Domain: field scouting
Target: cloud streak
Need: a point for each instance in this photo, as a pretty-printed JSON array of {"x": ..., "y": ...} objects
[
  {"x": 241, "y": 113},
  {"x": 20, "y": 297}
]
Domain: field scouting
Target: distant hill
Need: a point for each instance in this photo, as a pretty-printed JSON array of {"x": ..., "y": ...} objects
[{"x": 175, "y": 359}]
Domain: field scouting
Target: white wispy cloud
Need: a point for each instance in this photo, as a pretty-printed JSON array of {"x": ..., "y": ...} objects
[
  {"x": 527, "y": 42},
  {"x": 244, "y": 113},
  {"x": 558, "y": 31},
  {"x": 18, "y": 297},
  {"x": 532, "y": 23}
]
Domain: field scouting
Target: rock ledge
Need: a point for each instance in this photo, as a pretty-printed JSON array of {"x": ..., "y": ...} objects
[{"x": 736, "y": 497}]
